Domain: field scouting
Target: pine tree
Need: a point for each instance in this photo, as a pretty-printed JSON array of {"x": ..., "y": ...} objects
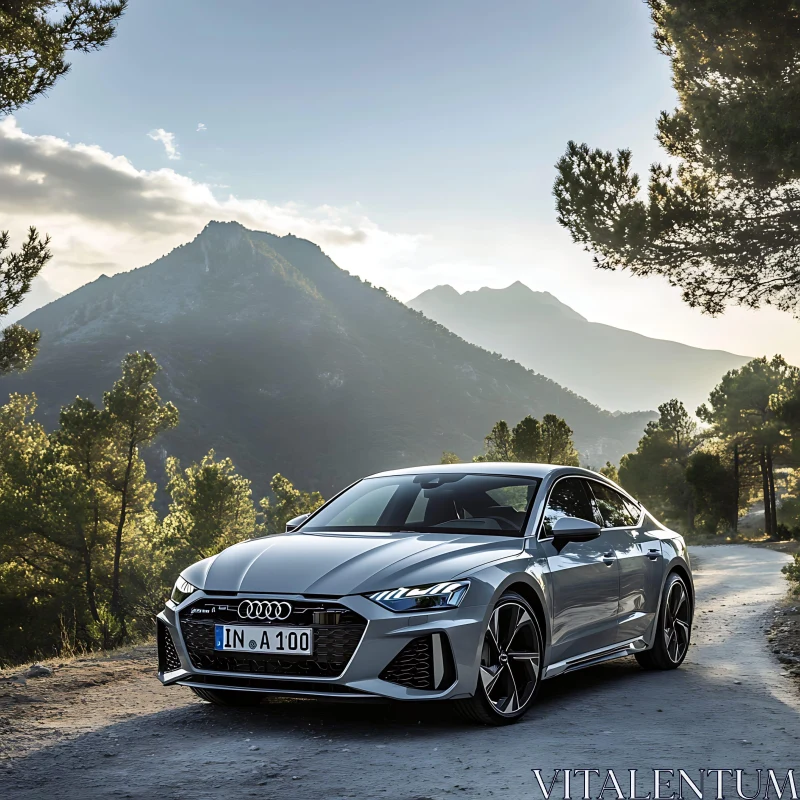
[
  {"x": 751, "y": 408},
  {"x": 35, "y": 36},
  {"x": 211, "y": 508},
  {"x": 722, "y": 224},
  {"x": 287, "y": 504},
  {"x": 136, "y": 416},
  {"x": 656, "y": 471},
  {"x": 546, "y": 442}
]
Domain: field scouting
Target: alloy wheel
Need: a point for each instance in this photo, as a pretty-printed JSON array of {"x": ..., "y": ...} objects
[
  {"x": 510, "y": 658},
  {"x": 677, "y": 621}
]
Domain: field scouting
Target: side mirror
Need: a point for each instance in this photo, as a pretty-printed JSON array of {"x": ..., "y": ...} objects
[
  {"x": 572, "y": 529},
  {"x": 296, "y": 522}
]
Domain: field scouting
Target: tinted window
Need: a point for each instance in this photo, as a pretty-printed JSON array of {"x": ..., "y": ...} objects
[
  {"x": 457, "y": 503},
  {"x": 616, "y": 510},
  {"x": 634, "y": 510},
  {"x": 568, "y": 499},
  {"x": 366, "y": 509}
]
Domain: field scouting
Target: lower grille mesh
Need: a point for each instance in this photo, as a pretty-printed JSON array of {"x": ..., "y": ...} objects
[
  {"x": 168, "y": 660},
  {"x": 412, "y": 666}
]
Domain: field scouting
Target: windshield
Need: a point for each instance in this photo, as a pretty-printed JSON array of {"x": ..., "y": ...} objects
[{"x": 455, "y": 503}]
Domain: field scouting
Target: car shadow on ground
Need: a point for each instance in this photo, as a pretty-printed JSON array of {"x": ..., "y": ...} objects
[
  {"x": 289, "y": 717},
  {"x": 191, "y": 736}
]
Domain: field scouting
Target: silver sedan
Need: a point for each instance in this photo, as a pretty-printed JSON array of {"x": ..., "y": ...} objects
[{"x": 470, "y": 583}]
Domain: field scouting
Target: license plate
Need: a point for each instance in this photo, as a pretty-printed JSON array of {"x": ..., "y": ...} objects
[{"x": 264, "y": 639}]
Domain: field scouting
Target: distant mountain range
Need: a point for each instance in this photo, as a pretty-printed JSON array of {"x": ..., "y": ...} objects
[
  {"x": 284, "y": 362},
  {"x": 614, "y": 368}
]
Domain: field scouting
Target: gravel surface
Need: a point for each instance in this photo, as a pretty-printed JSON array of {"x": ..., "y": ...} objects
[{"x": 731, "y": 705}]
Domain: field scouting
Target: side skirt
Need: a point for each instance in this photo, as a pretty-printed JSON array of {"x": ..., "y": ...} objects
[{"x": 596, "y": 657}]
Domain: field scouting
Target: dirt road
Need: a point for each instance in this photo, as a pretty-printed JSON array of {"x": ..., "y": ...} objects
[{"x": 730, "y": 706}]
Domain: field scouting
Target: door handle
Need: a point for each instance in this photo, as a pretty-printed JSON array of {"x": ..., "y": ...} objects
[
  {"x": 609, "y": 558},
  {"x": 653, "y": 555}
]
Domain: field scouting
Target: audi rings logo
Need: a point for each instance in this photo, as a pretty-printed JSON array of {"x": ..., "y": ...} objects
[{"x": 264, "y": 609}]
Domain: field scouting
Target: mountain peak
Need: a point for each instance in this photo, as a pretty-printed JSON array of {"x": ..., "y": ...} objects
[
  {"x": 442, "y": 293},
  {"x": 222, "y": 225},
  {"x": 517, "y": 298}
]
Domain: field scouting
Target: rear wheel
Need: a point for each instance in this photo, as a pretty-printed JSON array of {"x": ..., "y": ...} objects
[
  {"x": 673, "y": 628},
  {"x": 229, "y": 697},
  {"x": 511, "y": 656}
]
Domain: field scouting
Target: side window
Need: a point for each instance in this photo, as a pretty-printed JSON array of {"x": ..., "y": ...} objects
[
  {"x": 568, "y": 499},
  {"x": 633, "y": 509},
  {"x": 616, "y": 510}
]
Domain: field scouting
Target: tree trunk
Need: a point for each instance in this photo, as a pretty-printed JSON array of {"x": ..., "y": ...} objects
[
  {"x": 765, "y": 492},
  {"x": 116, "y": 600},
  {"x": 91, "y": 591},
  {"x": 690, "y": 513},
  {"x": 86, "y": 551},
  {"x": 773, "y": 505},
  {"x": 737, "y": 485}
]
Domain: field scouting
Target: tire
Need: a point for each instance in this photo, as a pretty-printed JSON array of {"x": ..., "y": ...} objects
[
  {"x": 510, "y": 665},
  {"x": 673, "y": 627},
  {"x": 229, "y": 697}
]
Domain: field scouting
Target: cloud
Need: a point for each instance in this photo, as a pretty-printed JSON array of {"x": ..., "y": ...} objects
[
  {"x": 105, "y": 215},
  {"x": 168, "y": 140},
  {"x": 201, "y": 126}
]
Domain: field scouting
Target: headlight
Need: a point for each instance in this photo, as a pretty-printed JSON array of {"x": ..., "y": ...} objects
[
  {"x": 423, "y": 598},
  {"x": 181, "y": 590}
]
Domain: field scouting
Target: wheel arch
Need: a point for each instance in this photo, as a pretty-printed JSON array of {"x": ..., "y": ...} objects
[
  {"x": 678, "y": 567},
  {"x": 530, "y": 594},
  {"x": 681, "y": 569}
]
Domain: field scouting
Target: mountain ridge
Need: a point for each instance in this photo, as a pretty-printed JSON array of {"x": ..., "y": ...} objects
[
  {"x": 284, "y": 362},
  {"x": 516, "y": 320}
]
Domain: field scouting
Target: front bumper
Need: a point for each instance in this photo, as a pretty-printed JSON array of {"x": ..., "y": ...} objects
[{"x": 391, "y": 649}]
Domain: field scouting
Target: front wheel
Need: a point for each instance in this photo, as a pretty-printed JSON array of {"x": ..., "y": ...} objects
[
  {"x": 229, "y": 697},
  {"x": 673, "y": 628},
  {"x": 511, "y": 656}
]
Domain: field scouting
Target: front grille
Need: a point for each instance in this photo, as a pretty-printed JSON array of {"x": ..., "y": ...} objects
[
  {"x": 424, "y": 663},
  {"x": 336, "y": 632},
  {"x": 168, "y": 660}
]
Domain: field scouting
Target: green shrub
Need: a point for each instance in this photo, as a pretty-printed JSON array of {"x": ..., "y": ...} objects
[{"x": 792, "y": 573}]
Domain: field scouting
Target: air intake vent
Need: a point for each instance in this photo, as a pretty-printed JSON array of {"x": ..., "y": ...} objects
[
  {"x": 424, "y": 663},
  {"x": 168, "y": 660}
]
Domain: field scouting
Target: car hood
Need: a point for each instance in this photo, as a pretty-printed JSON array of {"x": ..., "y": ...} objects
[{"x": 341, "y": 564}]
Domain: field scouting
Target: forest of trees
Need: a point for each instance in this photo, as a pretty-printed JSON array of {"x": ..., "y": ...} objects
[
  {"x": 85, "y": 559},
  {"x": 695, "y": 476},
  {"x": 704, "y": 477},
  {"x": 545, "y": 442}
]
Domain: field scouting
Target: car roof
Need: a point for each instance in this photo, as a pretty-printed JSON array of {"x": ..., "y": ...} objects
[{"x": 517, "y": 468}]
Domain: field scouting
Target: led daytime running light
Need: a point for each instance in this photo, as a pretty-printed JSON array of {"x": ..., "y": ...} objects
[
  {"x": 182, "y": 590},
  {"x": 396, "y": 594},
  {"x": 422, "y": 598}
]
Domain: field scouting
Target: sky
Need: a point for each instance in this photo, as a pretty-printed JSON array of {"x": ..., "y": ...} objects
[{"x": 415, "y": 142}]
